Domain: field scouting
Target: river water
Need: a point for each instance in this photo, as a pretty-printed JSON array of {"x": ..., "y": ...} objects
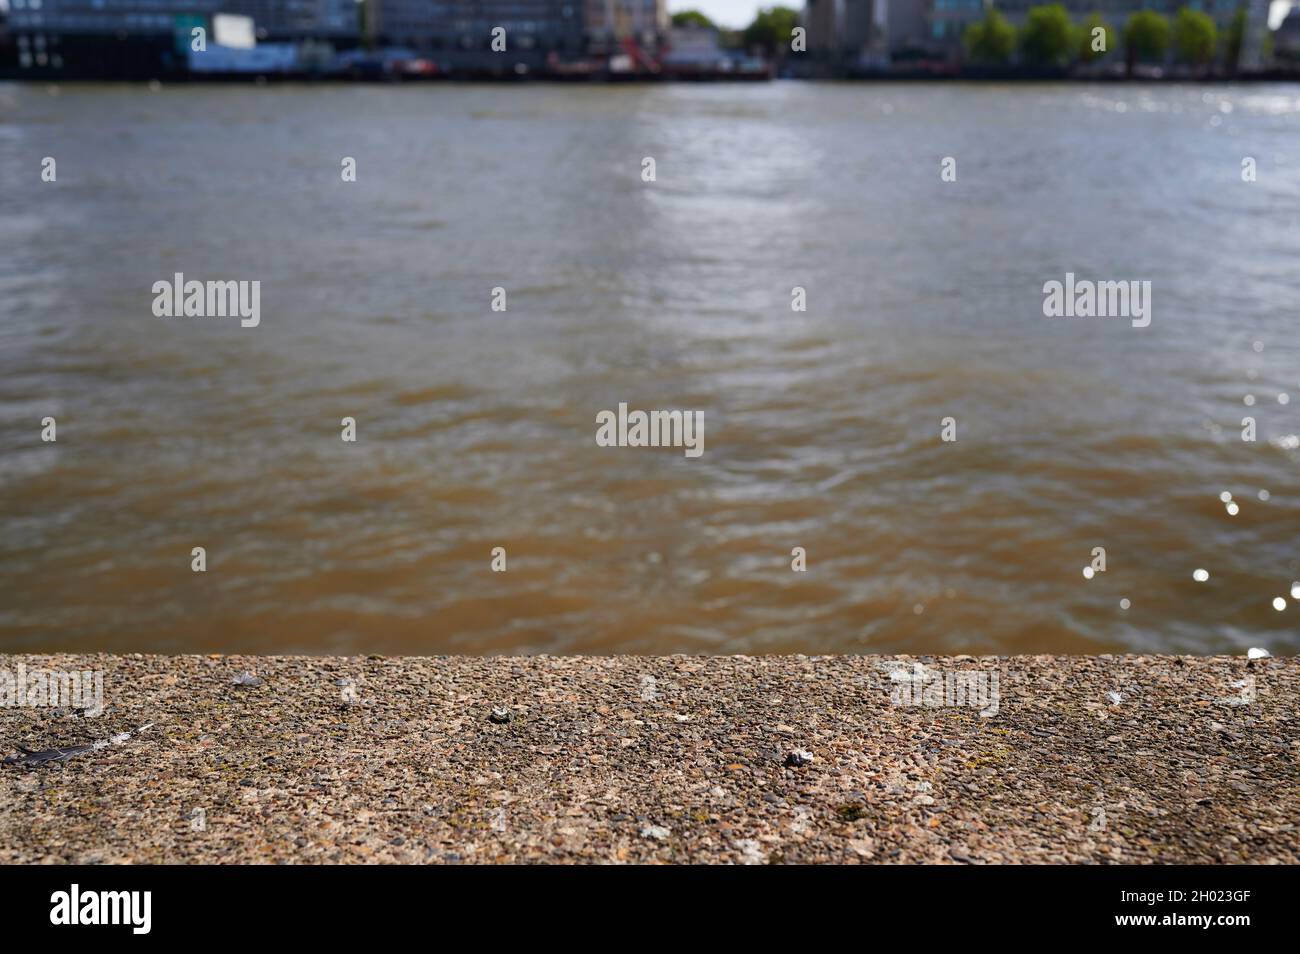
[{"x": 476, "y": 428}]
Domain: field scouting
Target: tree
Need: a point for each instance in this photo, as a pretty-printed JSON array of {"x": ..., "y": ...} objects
[
  {"x": 693, "y": 18},
  {"x": 1146, "y": 37},
  {"x": 366, "y": 23},
  {"x": 1047, "y": 39},
  {"x": 772, "y": 29},
  {"x": 1195, "y": 37},
  {"x": 1085, "y": 45},
  {"x": 1232, "y": 43},
  {"x": 991, "y": 40}
]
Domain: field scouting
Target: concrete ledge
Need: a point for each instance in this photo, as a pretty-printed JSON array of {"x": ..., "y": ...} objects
[{"x": 660, "y": 759}]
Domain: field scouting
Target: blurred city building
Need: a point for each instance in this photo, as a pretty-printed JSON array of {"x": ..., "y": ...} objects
[
  {"x": 144, "y": 37},
  {"x": 298, "y": 19},
  {"x": 693, "y": 47},
  {"x": 110, "y": 37},
  {"x": 843, "y": 30},
  {"x": 458, "y": 33},
  {"x": 696, "y": 52},
  {"x": 1286, "y": 39},
  {"x": 627, "y": 33},
  {"x": 105, "y": 17}
]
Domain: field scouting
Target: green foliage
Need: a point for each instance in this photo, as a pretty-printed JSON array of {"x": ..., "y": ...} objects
[
  {"x": 991, "y": 40},
  {"x": 1146, "y": 36},
  {"x": 692, "y": 18},
  {"x": 1047, "y": 39},
  {"x": 1084, "y": 45},
  {"x": 1195, "y": 37},
  {"x": 772, "y": 29},
  {"x": 1233, "y": 40},
  {"x": 363, "y": 24}
]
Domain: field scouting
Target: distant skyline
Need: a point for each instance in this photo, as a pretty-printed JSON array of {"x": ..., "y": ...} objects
[
  {"x": 740, "y": 13},
  {"x": 736, "y": 14}
]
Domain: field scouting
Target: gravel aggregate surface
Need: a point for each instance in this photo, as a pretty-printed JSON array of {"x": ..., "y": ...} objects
[{"x": 660, "y": 759}]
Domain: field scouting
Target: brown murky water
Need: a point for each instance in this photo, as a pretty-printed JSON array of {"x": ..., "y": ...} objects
[{"x": 476, "y": 428}]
